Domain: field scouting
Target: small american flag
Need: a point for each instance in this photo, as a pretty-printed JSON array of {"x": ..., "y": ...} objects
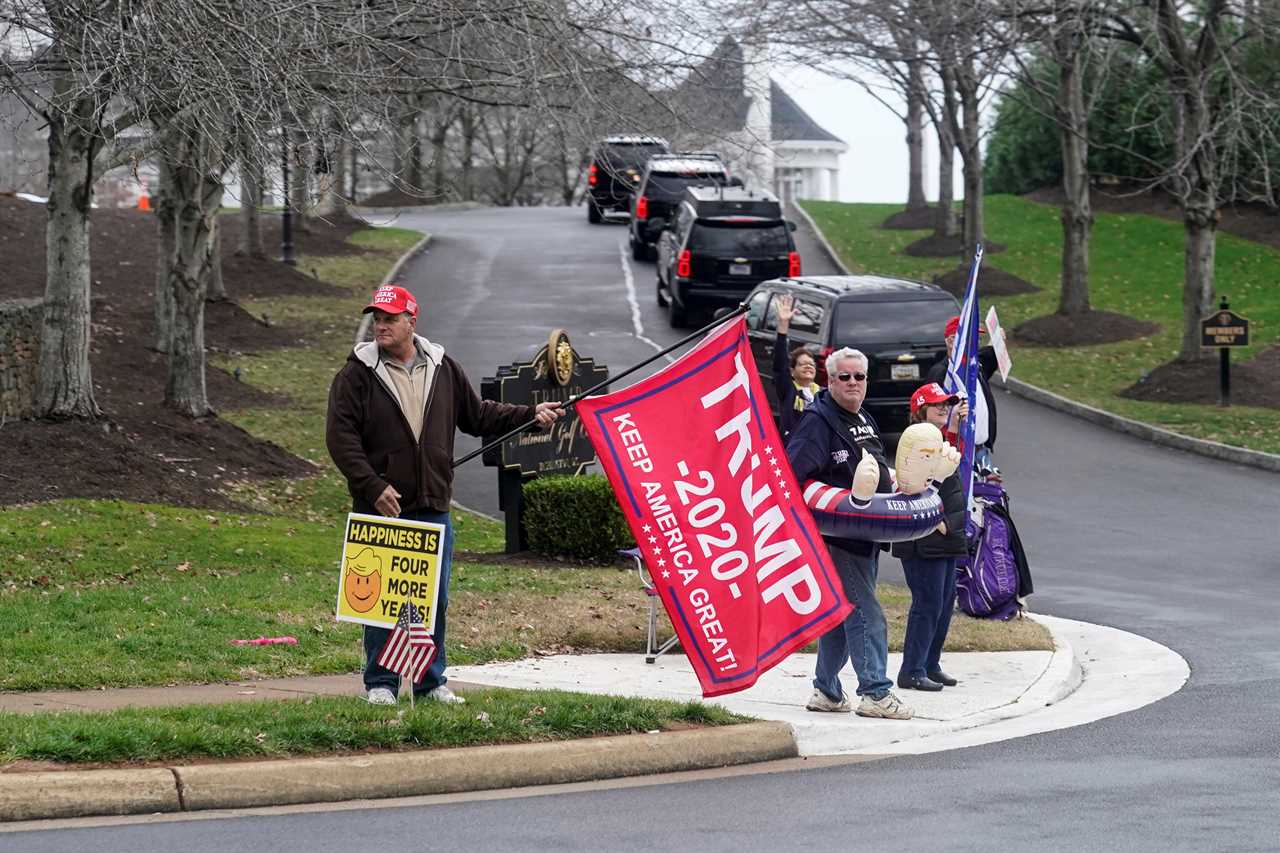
[{"x": 410, "y": 649}]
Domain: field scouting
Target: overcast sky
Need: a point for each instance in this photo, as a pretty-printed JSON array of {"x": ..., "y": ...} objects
[{"x": 875, "y": 167}]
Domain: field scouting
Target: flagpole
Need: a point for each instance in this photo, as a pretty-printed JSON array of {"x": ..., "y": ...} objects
[{"x": 742, "y": 307}]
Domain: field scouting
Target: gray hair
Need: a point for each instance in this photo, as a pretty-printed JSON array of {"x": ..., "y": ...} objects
[{"x": 842, "y": 353}]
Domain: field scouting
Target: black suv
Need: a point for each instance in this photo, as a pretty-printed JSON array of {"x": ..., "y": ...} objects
[
  {"x": 617, "y": 164},
  {"x": 898, "y": 324},
  {"x": 661, "y": 189},
  {"x": 718, "y": 245}
]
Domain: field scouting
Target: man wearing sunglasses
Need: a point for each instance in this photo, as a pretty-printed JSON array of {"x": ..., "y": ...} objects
[{"x": 831, "y": 436}]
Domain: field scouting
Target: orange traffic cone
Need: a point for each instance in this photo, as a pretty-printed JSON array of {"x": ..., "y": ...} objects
[{"x": 144, "y": 200}]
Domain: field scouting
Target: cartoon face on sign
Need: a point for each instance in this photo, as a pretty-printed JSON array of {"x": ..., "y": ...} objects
[{"x": 363, "y": 583}]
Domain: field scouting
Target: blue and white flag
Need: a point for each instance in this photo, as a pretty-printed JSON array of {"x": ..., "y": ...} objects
[{"x": 962, "y": 371}]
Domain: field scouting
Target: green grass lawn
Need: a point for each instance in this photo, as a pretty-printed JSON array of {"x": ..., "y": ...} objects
[
  {"x": 314, "y": 726},
  {"x": 1135, "y": 269}
]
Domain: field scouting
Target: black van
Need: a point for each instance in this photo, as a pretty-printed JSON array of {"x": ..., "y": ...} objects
[
  {"x": 898, "y": 324},
  {"x": 720, "y": 243},
  {"x": 617, "y": 165}
]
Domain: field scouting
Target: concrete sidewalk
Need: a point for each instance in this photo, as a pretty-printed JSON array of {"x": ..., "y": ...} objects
[{"x": 1093, "y": 672}]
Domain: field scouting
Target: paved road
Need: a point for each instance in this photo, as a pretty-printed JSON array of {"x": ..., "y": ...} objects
[{"x": 1168, "y": 545}]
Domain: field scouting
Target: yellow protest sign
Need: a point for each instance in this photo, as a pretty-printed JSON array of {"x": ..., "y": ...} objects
[{"x": 385, "y": 563}]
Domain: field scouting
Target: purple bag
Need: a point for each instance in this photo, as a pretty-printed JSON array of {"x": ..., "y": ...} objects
[{"x": 987, "y": 579}]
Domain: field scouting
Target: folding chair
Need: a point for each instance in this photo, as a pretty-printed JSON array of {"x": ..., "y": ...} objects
[{"x": 651, "y": 649}]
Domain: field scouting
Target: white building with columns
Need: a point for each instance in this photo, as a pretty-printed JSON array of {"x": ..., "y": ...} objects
[{"x": 806, "y": 156}]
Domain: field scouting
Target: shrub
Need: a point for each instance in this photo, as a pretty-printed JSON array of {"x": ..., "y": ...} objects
[{"x": 574, "y": 517}]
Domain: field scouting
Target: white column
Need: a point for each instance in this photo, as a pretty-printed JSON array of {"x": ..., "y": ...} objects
[{"x": 834, "y": 184}]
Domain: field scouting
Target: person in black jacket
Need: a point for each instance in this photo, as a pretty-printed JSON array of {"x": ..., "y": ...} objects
[
  {"x": 793, "y": 373},
  {"x": 929, "y": 564},
  {"x": 837, "y": 442},
  {"x": 985, "y": 405}
]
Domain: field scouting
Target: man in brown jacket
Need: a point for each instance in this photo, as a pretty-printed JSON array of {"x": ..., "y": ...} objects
[{"x": 393, "y": 410}]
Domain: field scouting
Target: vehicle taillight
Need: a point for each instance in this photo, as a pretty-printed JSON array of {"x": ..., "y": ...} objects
[
  {"x": 642, "y": 208},
  {"x": 793, "y": 264},
  {"x": 821, "y": 378},
  {"x": 684, "y": 266},
  {"x": 593, "y": 175}
]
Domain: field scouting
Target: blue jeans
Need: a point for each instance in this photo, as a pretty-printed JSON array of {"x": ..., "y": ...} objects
[
  {"x": 863, "y": 637},
  {"x": 375, "y": 638},
  {"x": 933, "y": 597}
]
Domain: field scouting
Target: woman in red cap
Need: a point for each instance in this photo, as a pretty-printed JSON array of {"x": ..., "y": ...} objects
[{"x": 929, "y": 564}]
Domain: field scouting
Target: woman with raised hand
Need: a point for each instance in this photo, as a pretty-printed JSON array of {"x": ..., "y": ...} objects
[{"x": 793, "y": 371}]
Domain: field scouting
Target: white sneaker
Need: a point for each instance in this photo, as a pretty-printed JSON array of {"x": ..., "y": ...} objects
[
  {"x": 820, "y": 701},
  {"x": 887, "y": 707},
  {"x": 381, "y": 696},
  {"x": 445, "y": 695}
]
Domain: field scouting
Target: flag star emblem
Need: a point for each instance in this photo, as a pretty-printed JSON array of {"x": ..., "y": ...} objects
[
  {"x": 666, "y": 574},
  {"x": 786, "y": 495},
  {"x": 646, "y": 528},
  {"x": 653, "y": 540},
  {"x": 768, "y": 448},
  {"x": 662, "y": 563},
  {"x": 657, "y": 550}
]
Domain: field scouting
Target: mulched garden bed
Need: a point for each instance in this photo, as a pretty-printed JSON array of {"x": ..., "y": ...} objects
[
  {"x": 1095, "y": 327},
  {"x": 992, "y": 281},
  {"x": 141, "y": 450},
  {"x": 911, "y": 220},
  {"x": 1253, "y": 383}
]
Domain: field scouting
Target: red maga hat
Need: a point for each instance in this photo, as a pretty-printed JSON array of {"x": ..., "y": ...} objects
[
  {"x": 953, "y": 325},
  {"x": 928, "y": 395},
  {"x": 393, "y": 299}
]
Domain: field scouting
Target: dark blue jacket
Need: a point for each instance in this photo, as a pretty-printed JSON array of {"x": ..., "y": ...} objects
[{"x": 821, "y": 448}]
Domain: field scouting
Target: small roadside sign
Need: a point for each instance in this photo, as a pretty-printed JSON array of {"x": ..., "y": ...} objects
[{"x": 1224, "y": 329}]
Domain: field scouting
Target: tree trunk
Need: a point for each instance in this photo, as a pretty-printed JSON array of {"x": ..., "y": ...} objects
[
  {"x": 166, "y": 235},
  {"x": 299, "y": 186},
  {"x": 1200, "y": 220},
  {"x": 197, "y": 191},
  {"x": 64, "y": 388},
  {"x": 468, "y": 153},
  {"x": 944, "y": 224},
  {"x": 1077, "y": 212},
  {"x": 970, "y": 154},
  {"x": 251, "y": 182},
  {"x": 414, "y": 176},
  {"x": 916, "y": 199},
  {"x": 217, "y": 288},
  {"x": 354, "y": 171}
]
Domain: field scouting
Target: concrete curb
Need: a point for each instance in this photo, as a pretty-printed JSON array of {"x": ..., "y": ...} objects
[
  {"x": 1137, "y": 429},
  {"x": 38, "y": 796},
  {"x": 362, "y": 332}
]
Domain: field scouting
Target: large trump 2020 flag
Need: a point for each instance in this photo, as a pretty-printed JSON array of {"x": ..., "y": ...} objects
[{"x": 696, "y": 463}]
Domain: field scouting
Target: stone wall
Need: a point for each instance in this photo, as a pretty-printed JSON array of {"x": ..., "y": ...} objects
[{"x": 20, "y": 321}]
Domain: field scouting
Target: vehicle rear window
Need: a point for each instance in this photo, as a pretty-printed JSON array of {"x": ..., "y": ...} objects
[
  {"x": 915, "y": 320},
  {"x": 672, "y": 186},
  {"x": 727, "y": 238},
  {"x": 629, "y": 155},
  {"x": 807, "y": 319}
]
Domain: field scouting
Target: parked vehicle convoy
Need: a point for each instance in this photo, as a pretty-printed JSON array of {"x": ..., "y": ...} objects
[
  {"x": 661, "y": 189},
  {"x": 616, "y": 167},
  {"x": 897, "y": 323},
  {"x": 720, "y": 243}
]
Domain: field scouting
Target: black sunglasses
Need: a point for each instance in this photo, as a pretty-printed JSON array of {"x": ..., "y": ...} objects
[{"x": 845, "y": 377}]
